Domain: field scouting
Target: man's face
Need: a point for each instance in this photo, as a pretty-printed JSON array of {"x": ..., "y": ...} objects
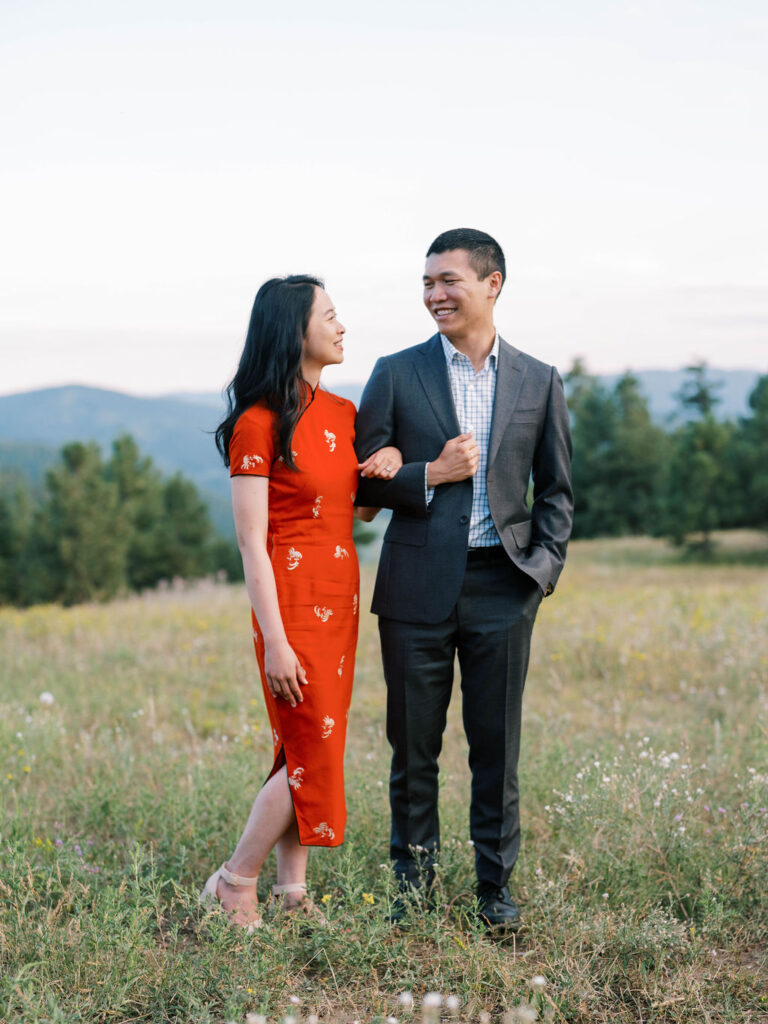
[{"x": 458, "y": 301}]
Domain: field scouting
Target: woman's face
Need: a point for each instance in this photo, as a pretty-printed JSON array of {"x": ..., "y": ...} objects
[{"x": 323, "y": 340}]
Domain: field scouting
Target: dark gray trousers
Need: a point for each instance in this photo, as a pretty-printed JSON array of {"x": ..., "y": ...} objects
[{"x": 490, "y": 628}]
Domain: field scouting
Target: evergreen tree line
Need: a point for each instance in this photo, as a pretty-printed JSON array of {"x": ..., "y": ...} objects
[
  {"x": 631, "y": 476},
  {"x": 100, "y": 527}
]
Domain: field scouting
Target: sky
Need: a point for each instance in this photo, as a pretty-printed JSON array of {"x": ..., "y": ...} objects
[{"x": 162, "y": 159}]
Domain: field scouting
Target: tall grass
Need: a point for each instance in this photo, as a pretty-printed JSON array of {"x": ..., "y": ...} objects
[{"x": 643, "y": 875}]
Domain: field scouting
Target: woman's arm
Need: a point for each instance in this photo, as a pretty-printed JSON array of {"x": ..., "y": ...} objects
[
  {"x": 285, "y": 675},
  {"x": 383, "y": 464}
]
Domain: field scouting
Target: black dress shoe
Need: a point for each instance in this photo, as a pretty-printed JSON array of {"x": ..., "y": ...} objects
[{"x": 496, "y": 908}]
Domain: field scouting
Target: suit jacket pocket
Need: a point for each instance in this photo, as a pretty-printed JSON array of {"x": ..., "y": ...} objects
[
  {"x": 403, "y": 530},
  {"x": 525, "y": 416},
  {"x": 522, "y": 532}
]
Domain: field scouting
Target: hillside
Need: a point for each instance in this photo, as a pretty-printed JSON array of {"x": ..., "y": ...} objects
[
  {"x": 176, "y": 429},
  {"x": 175, "y": 433}
]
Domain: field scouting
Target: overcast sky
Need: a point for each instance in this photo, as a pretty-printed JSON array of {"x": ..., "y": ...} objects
[{"x": 161, "y": 159}]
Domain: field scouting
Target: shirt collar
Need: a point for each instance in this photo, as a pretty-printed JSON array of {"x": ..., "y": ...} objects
[{"x": 451, "y": 352}]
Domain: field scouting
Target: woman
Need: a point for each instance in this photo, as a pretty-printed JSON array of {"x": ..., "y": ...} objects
[{"x": 289, "y": 447}]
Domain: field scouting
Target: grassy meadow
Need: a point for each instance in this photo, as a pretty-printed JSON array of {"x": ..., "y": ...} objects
[{"x": 644, "y": 869}]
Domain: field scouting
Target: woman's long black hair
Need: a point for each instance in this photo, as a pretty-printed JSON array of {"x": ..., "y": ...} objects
[{"x": 270, "y": 366}]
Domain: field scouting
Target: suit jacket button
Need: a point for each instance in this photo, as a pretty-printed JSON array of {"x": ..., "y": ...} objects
[{"x": 464, "y": 520}]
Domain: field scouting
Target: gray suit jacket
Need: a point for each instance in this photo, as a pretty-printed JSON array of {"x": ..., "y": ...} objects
[{"x": 407, "y": 402}]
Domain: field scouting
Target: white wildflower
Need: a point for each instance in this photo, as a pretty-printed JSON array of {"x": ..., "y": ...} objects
[
  {"x": 538, "y": 982},
  {"x": 47, "y": 698}
]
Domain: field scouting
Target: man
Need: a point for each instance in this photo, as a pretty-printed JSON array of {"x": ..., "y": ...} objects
[{"x": 464, "y": 563}]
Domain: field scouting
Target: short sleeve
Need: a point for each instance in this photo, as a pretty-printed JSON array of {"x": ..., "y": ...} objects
[{"x": 252, "y": 448}]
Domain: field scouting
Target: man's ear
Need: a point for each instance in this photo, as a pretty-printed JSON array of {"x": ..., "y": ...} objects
[{"x": 494, "y": 282}]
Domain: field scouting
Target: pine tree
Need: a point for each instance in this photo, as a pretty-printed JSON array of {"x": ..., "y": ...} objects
[{"x": 79, "y": 541}]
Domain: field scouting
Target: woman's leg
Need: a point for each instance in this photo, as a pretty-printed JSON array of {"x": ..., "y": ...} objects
[
  {"x": 272, "y": 822},
  {"x": 291, "y": 863}
]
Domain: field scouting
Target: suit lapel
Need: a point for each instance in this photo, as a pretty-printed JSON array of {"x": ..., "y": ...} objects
[
  {"x": 433, "y": 374},
  {"x": 510, "y": 373}
]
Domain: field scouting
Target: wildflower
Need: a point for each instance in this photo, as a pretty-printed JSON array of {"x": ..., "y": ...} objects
[
  {"x": 290, "y": 1019},
  {"x": 406, "y": 1000},
  {"x": 368, "y": 897},
  {"x": 313, "y": 1019},
  {"x": 538, "y": 982},
  {"x": 391, "y": 1020},
  {"x": 46, "y": 698},
  {"x": 255, "y": 1018},
  {"x": 606, "y": 895},
  {"x": 9, "y": 776},
  {"x": 26, "y": 768},
  {"x": 326, "y": 898},
  {"x": 295, "y": 1000},
  {"x": 432, "y": 1000},
  {"x": 453, "y": 1004},
  {"x": 721, "y": 810},
  {"x": 678, "y": 817}
]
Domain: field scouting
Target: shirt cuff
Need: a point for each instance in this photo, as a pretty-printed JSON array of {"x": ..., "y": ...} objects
[{"x": 429, "y": 492}]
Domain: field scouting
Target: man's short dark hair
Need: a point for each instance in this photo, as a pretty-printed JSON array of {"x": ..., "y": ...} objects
[{"x": 484, "y": 252}]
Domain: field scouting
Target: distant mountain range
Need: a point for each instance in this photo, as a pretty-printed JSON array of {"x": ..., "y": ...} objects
[{"x": 176, "y": 429}]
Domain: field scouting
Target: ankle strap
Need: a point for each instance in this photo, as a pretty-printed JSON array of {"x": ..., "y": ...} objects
[
  {"x": 232, "y": 879},
  {"x": 278, "y": 890}
]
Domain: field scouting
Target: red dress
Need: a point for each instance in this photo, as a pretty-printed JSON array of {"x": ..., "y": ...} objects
[{"x": 313, "y": 557}]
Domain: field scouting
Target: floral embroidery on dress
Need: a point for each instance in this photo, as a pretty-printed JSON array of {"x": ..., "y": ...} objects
[
  {"x": 331, "y": 439},
  {"x": 250, "y": 461},
  {"x": 324, "y": 830},
  {"x": 316, "y": 506},
  {"x": 354, "y": 605},
  {"x": 256, "y": 635},
  {"x": 323, "y": 613},
  {"x": 340, "y": 669},
  {"x": 276, "y": 737},
  {"x": 295, "y": 778},
  {"x": 340, "y": 552},
  {"x": 328, "y": 724},
  {"x": 294, "y": 557}
]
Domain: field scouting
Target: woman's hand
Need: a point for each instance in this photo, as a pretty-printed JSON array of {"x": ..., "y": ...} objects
[
  {"x": 284, "y": 673},
  {"x": 383, "y": 464}
]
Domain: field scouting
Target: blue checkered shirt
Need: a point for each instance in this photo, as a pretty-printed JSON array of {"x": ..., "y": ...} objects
[{"x": 473, "y": 395}]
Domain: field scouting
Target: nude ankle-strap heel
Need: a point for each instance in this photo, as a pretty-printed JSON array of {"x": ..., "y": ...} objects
[{"x": 209, "y": 894}]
